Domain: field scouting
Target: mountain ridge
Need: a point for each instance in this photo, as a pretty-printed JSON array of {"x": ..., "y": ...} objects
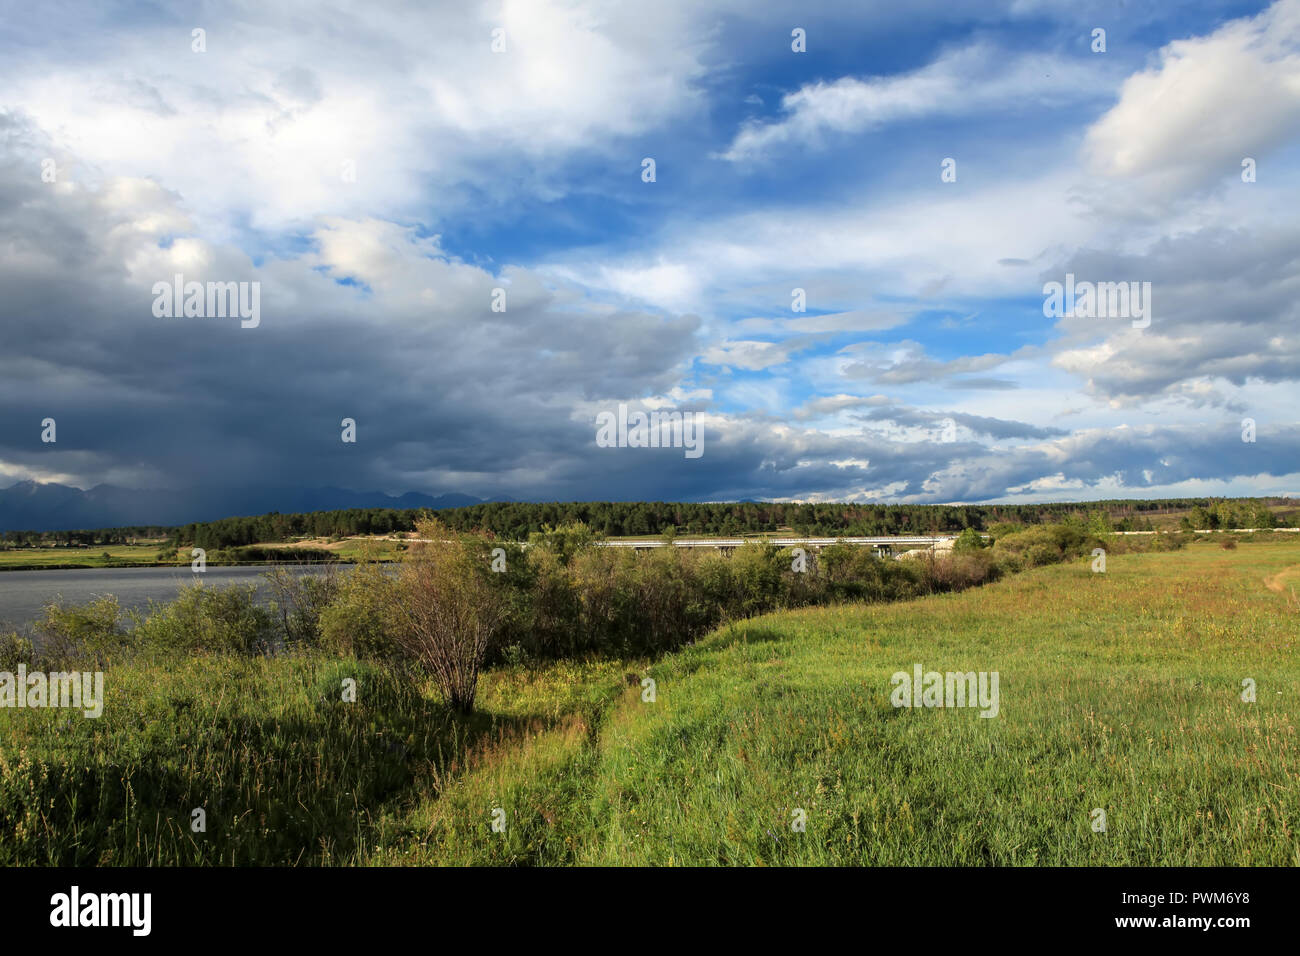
[{"x": 49, "y": 506}]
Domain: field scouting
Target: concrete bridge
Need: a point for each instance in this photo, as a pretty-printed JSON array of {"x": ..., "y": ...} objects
[{"x": 882, "y": 545}]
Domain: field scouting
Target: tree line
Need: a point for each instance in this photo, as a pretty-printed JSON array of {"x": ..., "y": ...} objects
[{"x": 515, "y": 521}]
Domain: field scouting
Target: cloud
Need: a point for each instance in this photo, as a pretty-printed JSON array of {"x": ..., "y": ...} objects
[
  {"x": 974, "y": 78},
  {"x": 1209, "y": 102},
  {"x": 256, "y": 129},
  {"x": 1225, "y": 305},
  {"x": 479, "y": 172},
  {"x": 997, "y": 428},
  {"x": 907, "y": 362}
]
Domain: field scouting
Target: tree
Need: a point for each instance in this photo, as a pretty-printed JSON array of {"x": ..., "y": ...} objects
[
  {"x": 450, "y": 610},
  {"x": 968, "y": 540}
]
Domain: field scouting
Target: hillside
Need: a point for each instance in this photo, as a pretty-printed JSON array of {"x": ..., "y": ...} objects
[{"x": 1119, "y": 691}]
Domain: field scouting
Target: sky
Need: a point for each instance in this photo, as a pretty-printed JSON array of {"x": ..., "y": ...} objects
[{"x": 839, "y": 267}]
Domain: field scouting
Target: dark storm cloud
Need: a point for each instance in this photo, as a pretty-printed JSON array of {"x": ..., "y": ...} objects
[{"x": 1224, "y": 304}]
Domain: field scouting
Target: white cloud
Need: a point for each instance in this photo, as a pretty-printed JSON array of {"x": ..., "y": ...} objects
[
  {"x": 260, "y": 124},
  {"x": 1209, "y": 102},
  {"x": 970, "y": 79}
]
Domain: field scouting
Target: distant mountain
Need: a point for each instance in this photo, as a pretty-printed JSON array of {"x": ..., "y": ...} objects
[{"x": 33, "y": 506}]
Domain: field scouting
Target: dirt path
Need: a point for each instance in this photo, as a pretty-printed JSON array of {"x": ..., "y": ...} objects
[{"x": 1285, "y": 581}]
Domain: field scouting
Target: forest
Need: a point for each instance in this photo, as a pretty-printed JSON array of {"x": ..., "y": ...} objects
[{"x": 517, "y": 520}]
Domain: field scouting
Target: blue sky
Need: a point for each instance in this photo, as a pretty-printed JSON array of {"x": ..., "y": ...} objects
[{"x": 923, "y": 368}]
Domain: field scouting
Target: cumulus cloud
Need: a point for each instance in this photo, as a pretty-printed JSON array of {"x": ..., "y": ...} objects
[
  {"x": 377, "y": 294},
  {"x": 1209, "y": 101},
  {"x": 258, "y": 128},
  {"x": 1225, "y": 306}
]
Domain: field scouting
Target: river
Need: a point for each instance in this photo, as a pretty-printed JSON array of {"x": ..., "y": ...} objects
[{"x": 23, "y": 594}]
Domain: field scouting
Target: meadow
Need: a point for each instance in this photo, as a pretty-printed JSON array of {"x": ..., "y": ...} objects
[
  {"x": 1120, "y": 691},
  {"x": 112, "y": 555}
]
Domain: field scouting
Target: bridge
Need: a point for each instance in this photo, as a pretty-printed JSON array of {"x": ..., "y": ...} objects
[{"x": 883, "y": 545}]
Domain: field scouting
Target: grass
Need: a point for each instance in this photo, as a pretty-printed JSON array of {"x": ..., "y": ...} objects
[
  {"x": 120, "y": 555},
  {"x": 146, "y": 555},
  {"x": 1119, "y": 691}
]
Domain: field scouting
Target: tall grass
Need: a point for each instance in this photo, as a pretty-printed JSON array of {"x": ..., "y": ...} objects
[{"x": 1120, "y": 691}]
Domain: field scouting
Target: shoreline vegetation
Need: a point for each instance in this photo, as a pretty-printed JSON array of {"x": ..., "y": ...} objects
[
  {"x": 469, "y": 662},
  {"x": 381, "y": 533}
]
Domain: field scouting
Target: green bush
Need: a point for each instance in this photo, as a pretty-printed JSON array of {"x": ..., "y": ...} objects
[
  {"x": 566, "y": 540},
  {"x": 606, "y": 614},
  {"x": 299, "y": 600},
  {"x": 210, "y": 619},
  {"x": 450, "y": 612},
  {"x": 76, "y": 636},
  {"x": 14, "y": 650},
  {"x": 358, "y": 620},
  {"x": 1044, "y": 544},
  {"x": 968, "y": 541}
]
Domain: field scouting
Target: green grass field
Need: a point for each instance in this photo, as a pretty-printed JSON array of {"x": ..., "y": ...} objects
[
  {"x": 80, "y": 557},
  {"x": 1119, "y": 691},
  {"x": 348, "y": 550}
]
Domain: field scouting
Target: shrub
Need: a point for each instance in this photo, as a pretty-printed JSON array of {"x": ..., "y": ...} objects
[
  {"x": 360, "y": 618},
  {"x": 211, "y": 619},
  {"x": 854, "y": 573},
  {"x": 566, "y": 540},
  {"x": 963, "y": 570},
  {"x": 756, "y": 572},
  {"x": 88, "y": 633},
  {"x": 257, "y": 553},
  {"x": 603, "y": 586},
  {"x": 715, "y": 586},
  {"x": 969, "y": 540},
  {"x": 661, "y": 595},
  {"x": 14, "y": 650},
  {"x": 546, "y": 619},
  {"x": 451, "y": 613},
  {"x": 298, "y": 600}
]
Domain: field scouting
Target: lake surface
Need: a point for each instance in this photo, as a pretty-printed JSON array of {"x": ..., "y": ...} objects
[{"x": 23, "y": 594}]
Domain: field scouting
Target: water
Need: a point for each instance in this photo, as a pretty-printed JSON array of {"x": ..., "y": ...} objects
[{"x": 23, "y": 594}]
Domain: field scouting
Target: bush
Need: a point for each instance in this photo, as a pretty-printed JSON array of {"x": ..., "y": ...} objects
[
  {"x": 968, "y": 541},
  {"x": 14, "y": 650},
  {"x": 256, "y": 553},
  {"x": 451, "y": 612},
  {"x": 1044, "y": 544},
  {"x": 856, "y": 574},
  {"x": 603, "y": 585},
  {"x": 360, "y": 618},
  {"x": 566, "y": 540},
  {"x": 299, "y": 600},
  {"x": 661, "y": 589},
  {"x": 455, "y": 608},
  {"x": 963, "y": 570},
  {"x": 211, "y": 619},
  {"x": 756, "y": 572},
  {"x": 77, "y": 634}
]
